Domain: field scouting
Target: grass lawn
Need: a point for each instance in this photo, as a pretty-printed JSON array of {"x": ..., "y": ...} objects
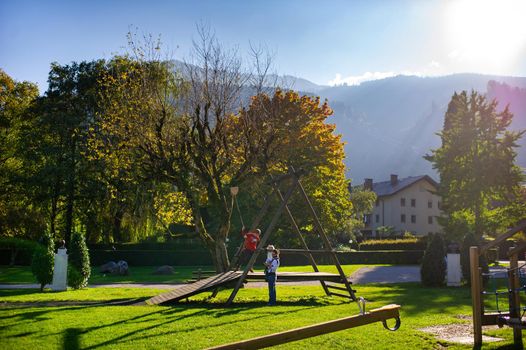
[
  {"x": 143, "y": 274},
  {"x": 200, "y": 323}
]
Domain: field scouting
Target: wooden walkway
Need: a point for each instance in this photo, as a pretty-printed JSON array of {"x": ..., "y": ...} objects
[{"x": 221, "y": 279}]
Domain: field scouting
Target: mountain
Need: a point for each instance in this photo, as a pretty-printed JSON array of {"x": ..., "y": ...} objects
[{"x": 388, "y": 125}]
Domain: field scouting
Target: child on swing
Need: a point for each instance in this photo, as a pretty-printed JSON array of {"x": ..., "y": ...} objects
[{"x": 250, "y": 244}]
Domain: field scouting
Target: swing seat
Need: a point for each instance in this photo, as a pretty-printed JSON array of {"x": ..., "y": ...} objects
[{"x": 514, "y": 322}]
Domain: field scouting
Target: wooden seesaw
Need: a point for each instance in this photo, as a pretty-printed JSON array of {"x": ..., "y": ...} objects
[{"x": 377, "y": 315}]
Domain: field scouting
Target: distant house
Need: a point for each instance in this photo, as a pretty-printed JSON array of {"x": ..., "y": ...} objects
[{"x": 408, "y": 204}]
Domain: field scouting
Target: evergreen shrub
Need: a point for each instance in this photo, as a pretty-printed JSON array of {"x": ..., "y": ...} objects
[
  {"x": 43, "y": 261},
  {"x": 433, "y": 269},
  {"x": 78, "y": 262}
]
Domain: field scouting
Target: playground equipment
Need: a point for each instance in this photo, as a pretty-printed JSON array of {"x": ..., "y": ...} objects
[
  {"x": 514, "y": 315},
  {"x": 333, "y": 284},
  {"x": 377, "y": 315}
]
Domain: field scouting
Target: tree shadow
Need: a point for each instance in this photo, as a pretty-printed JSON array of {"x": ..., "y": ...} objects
[{"x": 72, "y": 338}]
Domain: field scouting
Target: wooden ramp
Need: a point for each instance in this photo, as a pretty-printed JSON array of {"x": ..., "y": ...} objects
[
  {"x": 195, "y": 288},
  {"x": 221, "y": 279}
]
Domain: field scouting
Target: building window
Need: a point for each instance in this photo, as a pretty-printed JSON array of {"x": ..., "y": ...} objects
[
  {"x": 430, "y": 220},
  {"x": 367, "y": 219},
  {"x": 430, "y": 204},
  {"x": 402, "y": 202},
  {"x": 413, "y": 219},
  {"x": 377, "y": 218},
  {"x": 377, "y": 202},
  {"x": 402, "y": 218},
  {"x": 413, "y": 202},
  {"x": 439, "y": 206}
]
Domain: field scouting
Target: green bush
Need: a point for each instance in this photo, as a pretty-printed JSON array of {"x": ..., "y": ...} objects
[
  {"x": 43, "y": 261},
  {"x": 433, "y": 269},
  {"x": 78, "y": 262}
]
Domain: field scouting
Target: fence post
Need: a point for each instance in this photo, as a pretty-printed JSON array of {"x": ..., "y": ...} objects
[{"x": 476, "y": 295}]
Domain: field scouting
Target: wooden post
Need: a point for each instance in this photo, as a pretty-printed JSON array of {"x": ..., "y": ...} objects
[
  {"x": 326, "y": 242},
  {"x": 302, "y": 240},
  {"x": 376, "y": 315},
  {"x": 513, "y": 285},
  {"x": 476, "y": 292}
]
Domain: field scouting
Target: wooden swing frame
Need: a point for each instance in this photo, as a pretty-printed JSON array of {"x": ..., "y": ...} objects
[{"x": 293, "y": 176}]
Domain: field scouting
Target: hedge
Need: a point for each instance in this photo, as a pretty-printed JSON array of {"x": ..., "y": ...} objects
[
  {"x": 145, "y": 257},
  {"x": 16, "y": 251},
  {"x": 165, "y": 254},
  {"x": 394, "y": 244},
  {"x": 180, "y": 244},
  {"x": 190, "y": 258}
]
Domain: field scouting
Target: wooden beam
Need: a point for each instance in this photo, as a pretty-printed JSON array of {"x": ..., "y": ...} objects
[
  {"x": 308, "y": 251},
  {"x": 376, "y": 315},
  {"x": 514, "y": 298},
  {"x": 518, "y": 249},
  {"x": 292, "y": 174},
  {"x": 501, "y": 238}
]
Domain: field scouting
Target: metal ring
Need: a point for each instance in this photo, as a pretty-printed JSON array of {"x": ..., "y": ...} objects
[
  {"x": 361, "y": 304},
  {"x": 396, "y": 326}
]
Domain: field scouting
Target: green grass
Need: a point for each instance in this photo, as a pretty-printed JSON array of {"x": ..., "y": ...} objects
[
  {"x": 138, "y": 274},
  {"x": 17, "y": 274},
  {"x": 200, "y": 323},
  {"x": 143, "y": 274},
  {"x": 81, "y": 295}
]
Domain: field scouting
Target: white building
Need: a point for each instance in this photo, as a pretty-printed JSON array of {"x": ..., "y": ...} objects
[{"x": 408, "y": 204}]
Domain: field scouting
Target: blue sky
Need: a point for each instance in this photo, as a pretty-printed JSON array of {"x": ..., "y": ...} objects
[{"x": 326, "y": 42}]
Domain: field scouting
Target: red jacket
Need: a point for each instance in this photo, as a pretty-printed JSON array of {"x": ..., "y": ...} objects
[{"x": 251, "y": 240}]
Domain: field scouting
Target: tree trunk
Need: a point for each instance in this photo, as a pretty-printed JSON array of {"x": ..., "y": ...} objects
[
  {"x": 117, "y": 225},
  {"x": 54, "y": 209},
  {"x": 220, "y": 256},
  {"x": 70, "y": 195}
]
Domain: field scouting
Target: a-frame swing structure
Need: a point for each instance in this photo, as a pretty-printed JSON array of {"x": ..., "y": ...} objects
[
  {"x": 344, "y": 289},
  {"x": 332, "y": 284}
]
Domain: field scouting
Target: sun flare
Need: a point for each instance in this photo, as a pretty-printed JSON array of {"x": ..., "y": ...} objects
[{"x": 487, "y": 34}]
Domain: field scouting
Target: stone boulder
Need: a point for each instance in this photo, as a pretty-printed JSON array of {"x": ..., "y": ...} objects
[
  {"x": 164, "y": 270},
  {"x": 122, "y": 268},
  {"x": 109, "y": 267}
]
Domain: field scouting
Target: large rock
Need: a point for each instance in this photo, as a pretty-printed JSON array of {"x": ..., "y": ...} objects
[
  {"x": 164, "y": 270},
  {"x": 122, "y": 268},
  {"x": 115, "y": 268},
  {"x": 109, "y": 267}
]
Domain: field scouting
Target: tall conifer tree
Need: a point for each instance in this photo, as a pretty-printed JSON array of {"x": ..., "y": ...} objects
[{"x": 476, "y": 163}]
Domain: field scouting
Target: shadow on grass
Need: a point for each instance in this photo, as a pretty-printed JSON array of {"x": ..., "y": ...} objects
[
  {"x": 18, "y": 292},
  {"x": 171, "y": 315},
  {"x": 72, "y": 338},
  {"x": 160, "y": 319},
  {"x": 416, "y": 299}
]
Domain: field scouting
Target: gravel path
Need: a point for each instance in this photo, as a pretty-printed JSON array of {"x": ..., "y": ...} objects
[
  {"x": 386, "y": 274},
  {"x": 373, "y": 274}
]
